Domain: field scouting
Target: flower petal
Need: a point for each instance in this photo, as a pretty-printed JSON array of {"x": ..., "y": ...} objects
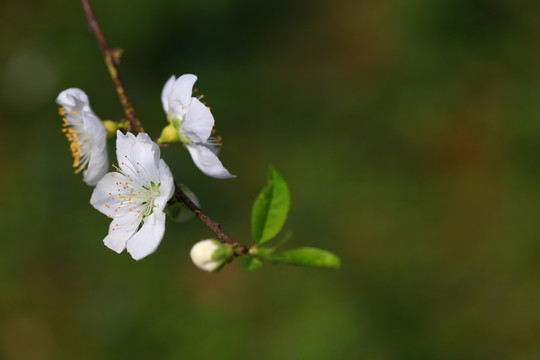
[
  {"x": 67, "y": 97},
  {"x": 111, "y": 195},
  {"x": 97, "y": 166},
  {"x": 145, "y": 157},
  {"x": 208, "y": 162},
  {"x": 138, "y": 156},
  {"x": 95, "y": 128},
  {"x": 183, "y": 87},
  {"x": 166, "y": 93},
  {"x": 147, "y": 239},
  {"x": 121, "y": 230},
  {"x": 74, "y": 99},
  {"x": 180, "y": 96},
  {"x": 167, "y": 185},
  {"x": 99, "y": 160},
  {"x": 124, "y": 143},
  {"x": 199, "y": 122}
]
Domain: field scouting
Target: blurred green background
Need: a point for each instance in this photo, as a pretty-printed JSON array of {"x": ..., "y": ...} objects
[{"x": 409, "y": 134}]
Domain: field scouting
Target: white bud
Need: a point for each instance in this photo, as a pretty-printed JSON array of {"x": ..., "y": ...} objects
[{"x": 210, "y": 255}]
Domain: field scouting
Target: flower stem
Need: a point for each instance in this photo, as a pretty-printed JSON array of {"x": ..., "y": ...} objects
[
  {"x": 180, "y": 196},
  {"x": 112, "y": 58}
]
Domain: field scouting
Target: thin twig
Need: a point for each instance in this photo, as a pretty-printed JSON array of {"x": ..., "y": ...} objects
[
  {"x": 112, "y": 58},
  {"x": 181, "y": 197}
]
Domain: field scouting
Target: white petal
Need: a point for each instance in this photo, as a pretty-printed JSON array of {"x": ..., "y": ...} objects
[
  {"x": 199, "y": 122},
  {"x": 74, "y": 99},
  {"x": 138, "y": 157},
  {"x": 144, "y": 156},
  {"x": 67, "y": 97},
  {"x": 124, "y": 143},
  {"x": 208, "y": 162},
  {"x": 97, "y": 166},
  {"x": 147, "y": 239},
  {"x": 180, "y": 96},
  {"x": 183, "y": 87},
  {"x": 166, "y": 188},
  {"x": 121, "y": 230},
  {"x": 95, "y": 128},
  {"x": 145, "y": 138},
  {"x": 111, "y": 196},
  {"x": 99, "y": 158},
  {"x": 166, "y": 93}
]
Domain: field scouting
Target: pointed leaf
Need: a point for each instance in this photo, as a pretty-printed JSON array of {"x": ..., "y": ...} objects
[
  {"x": 270, "y": 208},
  {"x": 305, "y": 256},
  {"x": 249, "y": 263}
]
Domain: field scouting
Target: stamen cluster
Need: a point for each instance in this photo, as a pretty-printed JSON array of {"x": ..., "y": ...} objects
[
  {"x": 86, "y": 134},
  {"x": 80, "y": 142}
]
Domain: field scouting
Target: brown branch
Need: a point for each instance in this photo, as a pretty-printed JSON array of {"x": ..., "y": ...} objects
[
  {"x": 112, "y": 58},
  {"x": 181, "y": 197}
]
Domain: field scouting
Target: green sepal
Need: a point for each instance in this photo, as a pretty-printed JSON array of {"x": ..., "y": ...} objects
[
  {"x": 169, "y": 134},
  {"x": 110, "y": 127},
  {"x": 224, "y": 252},
  {"x": 219, "y": 254}
]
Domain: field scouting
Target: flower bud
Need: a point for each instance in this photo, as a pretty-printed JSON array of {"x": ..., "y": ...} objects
[
  {"x": 179, "y": 212},
  {"x": 210, "y": 255},
  {"x": 169, "y": 134},
  {"x": 111, "y": 127}
]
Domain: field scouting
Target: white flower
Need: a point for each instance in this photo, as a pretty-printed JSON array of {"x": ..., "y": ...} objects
[
  {"x": 86, "y": 133},
  {"x": 210, "y": 255},
  {"x": 135, "y": 194},
  {"x": 194, "y": 122}
]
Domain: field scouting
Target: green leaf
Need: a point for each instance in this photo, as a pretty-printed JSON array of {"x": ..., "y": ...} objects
[
  {"x": 305, "y": 256},
  {"x": 249, "y": 263},
  {"x": 270, "y": 208}
]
